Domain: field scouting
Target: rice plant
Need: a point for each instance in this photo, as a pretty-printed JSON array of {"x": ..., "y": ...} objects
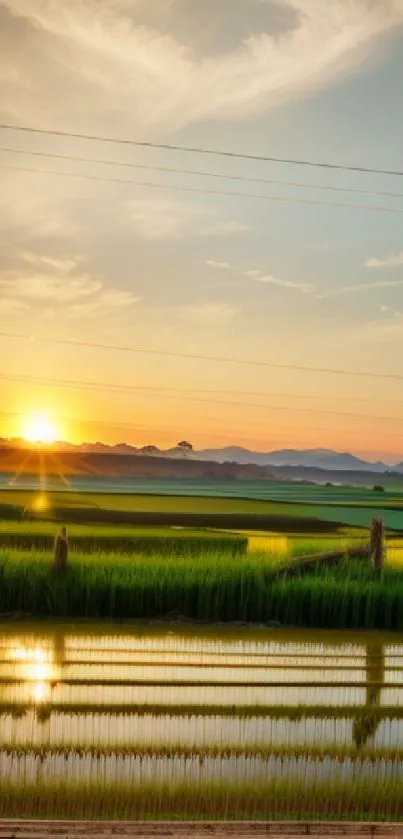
[
  {"x": 212, "y": 588},
  {"x": 350, "y": 800}
]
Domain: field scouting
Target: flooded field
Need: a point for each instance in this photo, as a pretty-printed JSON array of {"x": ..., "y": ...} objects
[{"x": 180, "y": 711}]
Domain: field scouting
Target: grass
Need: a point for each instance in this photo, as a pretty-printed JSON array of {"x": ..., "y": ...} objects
[
  {"x": 39, "y": 536},
  {"x": 214, "y": 587},
  {"x": 354, "y": 799}
]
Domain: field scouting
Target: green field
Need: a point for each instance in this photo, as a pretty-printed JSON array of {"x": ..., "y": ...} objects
[
  {"x": 352, "y": 510},
  {"x": 224, "y": 568},
  {"x": 37, "y": 535}
]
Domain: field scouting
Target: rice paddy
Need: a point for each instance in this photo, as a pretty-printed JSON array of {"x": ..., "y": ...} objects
[
  {"x": 279, "y": 724},
  {"x": 289, "y": 507},
  {"x": 211, "y": 587},
  {"x": 221, "y": 720}
]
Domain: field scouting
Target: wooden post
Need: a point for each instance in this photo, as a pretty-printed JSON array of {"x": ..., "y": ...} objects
[
  {"x": 377, "y": 545},
  {"x": 61, "y": 551}
]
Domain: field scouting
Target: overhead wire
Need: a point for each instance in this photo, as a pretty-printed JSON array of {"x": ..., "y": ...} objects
[
  {"x": 197, "y": 356},
  {"x": 123, "y": 387},
  {"x": 225, "y": 176},
  {"x": 111, "y": 423},
  {"x": 254, "y": 196},
  {"x": 165, "y": 393},
  {"x": 199, "y": 150}
]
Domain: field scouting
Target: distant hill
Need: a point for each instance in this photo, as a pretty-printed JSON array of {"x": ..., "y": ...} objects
[
  {"x": 319, "y": 458},
  {"x": 113, "y": 464},
  {"x": 232, "y": 461}
]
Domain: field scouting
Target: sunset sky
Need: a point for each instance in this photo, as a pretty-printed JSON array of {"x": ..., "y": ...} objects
[{"x": 303, "y": 285}]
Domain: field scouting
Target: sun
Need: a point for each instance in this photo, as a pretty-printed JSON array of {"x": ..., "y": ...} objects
[{"x": 39, "y": 428}]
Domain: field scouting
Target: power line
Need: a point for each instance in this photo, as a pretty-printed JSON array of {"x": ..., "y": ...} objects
[
  {"x": 201, "y": 173},
  {"x": 345, "y": 205},
  {"x": 226, "y": 436},
  {"x": 199, "y": 357},
  {"x": 122, "y": 387},
  {"x": 167, "y": 393},
  {"x": 198, "y": 150}
]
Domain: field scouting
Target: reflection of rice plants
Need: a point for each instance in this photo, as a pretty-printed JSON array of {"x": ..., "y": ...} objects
[
  {"x": 349, "y": 800},
  {"x": 96, "y": 760},
  {"x": 288, "y": 754},
  {"x": 365, "y": 726}
]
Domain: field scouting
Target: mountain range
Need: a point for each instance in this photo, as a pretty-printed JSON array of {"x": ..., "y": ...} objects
[{"x": 318, "y": 459}]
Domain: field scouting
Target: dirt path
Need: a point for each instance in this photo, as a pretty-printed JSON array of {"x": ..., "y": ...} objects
[{"x": 25, "y": 829}]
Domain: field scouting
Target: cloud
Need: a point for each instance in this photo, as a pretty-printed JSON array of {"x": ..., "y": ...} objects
[
  {"x": 391, "y": 261},
  {"x": 62, "y": 265},
  {"x": 210, "y": 313},
  {"x": 224, "y": 228},
  {"x": 161, "y": 218},
  {"x": 213, "y": 264},
  {"x": 61, "y": 282},
  {"x": 106, "y": 302},
  {"x": 268, "y": 279},
  {"x": 41, "y": 288},
  {"x": 358, "y": 289},
  {"x": 277, "y": 281},
  {"x": 10, "y": 306},
  {"x": 132, "y": 70},
  {"x": 398, "y": 313},
  {"x": 168, "y": 219}
]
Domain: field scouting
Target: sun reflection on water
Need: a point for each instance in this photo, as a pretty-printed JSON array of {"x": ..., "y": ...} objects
[{"x": 36, "y": 667}]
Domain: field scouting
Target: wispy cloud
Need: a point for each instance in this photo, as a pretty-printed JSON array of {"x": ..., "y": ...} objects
[
  {"x": 41, "y": 288},
  {"x": 391, "y": 261},
  {"x": 391, "y": 310},
  {"x": 258, "y": 276},
  {"x": 210, "y": 313},
  {"x": 134, "y": 69},
  {"x": 10, "y": 306},
  {"x": 224, "y": 228},
  {"x": 169, "y": 219},
  {"x": 278, "y": 281},
  {"x": 212, "y": 263},
  {"x": 63, "y": 266},
  {"x": 112, "y": 300},
  {"x": 359, "y": 288},
  {"x": 162, "y": 218},
  {"x": 63, "y": 283}
]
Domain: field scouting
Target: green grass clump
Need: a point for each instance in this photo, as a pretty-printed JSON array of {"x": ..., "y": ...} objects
[
  {"x": 214, "y": 587},
  {"x": 39, "y": 536}
]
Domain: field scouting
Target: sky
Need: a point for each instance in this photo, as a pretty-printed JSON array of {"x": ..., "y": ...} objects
[{"x": 99, "y": 246}]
